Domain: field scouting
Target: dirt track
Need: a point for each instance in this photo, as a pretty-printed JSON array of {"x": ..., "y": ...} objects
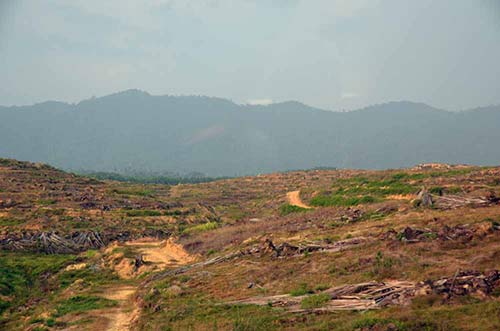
[
  {"x": 158, "y": 253},
  {"x": 122, "y": 317},
  {"x": 161, "y": 253},
  {"x": 294, "y": 199}
]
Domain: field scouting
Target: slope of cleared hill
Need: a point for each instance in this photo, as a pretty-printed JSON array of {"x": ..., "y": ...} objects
[{"x": 407, "y": 249}]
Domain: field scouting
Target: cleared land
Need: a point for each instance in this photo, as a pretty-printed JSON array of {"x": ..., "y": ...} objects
[{"x": 412, "y": 249}]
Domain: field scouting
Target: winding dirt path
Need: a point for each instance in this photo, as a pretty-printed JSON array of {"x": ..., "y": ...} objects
[
  {"x": 121, "y": 317},
  {"x": 157, "y": 255},
  {"x": 294, "y": 199}
]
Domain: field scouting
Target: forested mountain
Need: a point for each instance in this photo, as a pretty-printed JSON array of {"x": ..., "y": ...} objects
[{"x": 135, "y": 131}]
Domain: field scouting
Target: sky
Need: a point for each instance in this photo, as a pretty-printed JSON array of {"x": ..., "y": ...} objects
[{"x": 331, "y": 54}]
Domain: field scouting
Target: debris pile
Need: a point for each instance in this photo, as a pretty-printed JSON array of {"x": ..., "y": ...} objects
[
  {"x": 55, "y": 243},
  {"x": 288, "y": 250},
  {"x": 456, "y": 201},
  {"x": 88, "y": 240},
  {"x": 364, "y": 296},
  {"x": 351, "y": 215},
  {"x": 456, "y": 233},
  {"x": 460, "y": 233},
  {"x": 50, "y": 242},
  {"x": 464, "y": 283},
  {"x": 8, "y": 203},
  {"x": 450, "y": 201},
  {"x": 374, "y": 295}
]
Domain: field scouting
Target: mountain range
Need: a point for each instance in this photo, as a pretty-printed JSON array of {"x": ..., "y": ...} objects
[{"x": 136, "y": 131}]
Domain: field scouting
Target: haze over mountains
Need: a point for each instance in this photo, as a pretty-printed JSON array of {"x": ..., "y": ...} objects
[{"x": 135, "y": 131}]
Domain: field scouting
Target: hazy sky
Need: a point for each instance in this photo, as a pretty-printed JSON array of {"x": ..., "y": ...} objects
[{"x": 332, "y": 54}]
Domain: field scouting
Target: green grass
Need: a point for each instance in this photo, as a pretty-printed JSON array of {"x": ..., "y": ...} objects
[
  {"x": 201, "y": 227},
  {"x": 315, "y": 301},
  {"x": 20, "y": 275},
  {"x": 372, "y": 322},
  {"x": 440, "y": 190},
  {"x": 373, "y": 216},
  {"x": 66, "y": 278},
  {"x": 363, "y": 190},
  {"x": 453, "y": 172},
  {"x": 7, "y": 221},
  {"x": 376, "y": 187},
  {"x": 302, "y": 289},
  {"x": 195, "y": 311},
  {"x": 142, "y": 213},
  {"x": 82, "y": 303},
  {"x": 289, "y": 209},
  {"x": 46, "y": 202}
]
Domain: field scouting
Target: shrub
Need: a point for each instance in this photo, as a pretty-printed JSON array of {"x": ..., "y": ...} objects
[
  {"x": 303, "y": 289},
  {"x": 321, "y": 287}
]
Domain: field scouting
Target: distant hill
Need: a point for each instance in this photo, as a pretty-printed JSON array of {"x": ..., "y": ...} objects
[{"x": 135, "y": 131}]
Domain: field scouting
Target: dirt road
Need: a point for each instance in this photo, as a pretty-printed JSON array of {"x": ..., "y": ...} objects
[
  {"x": 157, "y": 255},
  {"x": 161, "y": 253},
  {"x": 121, "y": 317},
  {"x": 294, "y": 199}
]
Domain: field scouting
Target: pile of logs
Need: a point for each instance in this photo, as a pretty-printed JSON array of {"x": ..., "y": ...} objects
[
  {"x": 52, "y": 242},
  {"x": 463, "y": 283},
  {"x": 374, "y": 295},
  {"x": 288, "y": 250},
  {"x": 88, "y": 240},
  {"x": 364, "y": 296},
  {"x": 461, "y": 233},
  {"x": 426, "y": 199},
  {"x": 456, "y": 201},
  {"x": 55, "y": 243}
]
